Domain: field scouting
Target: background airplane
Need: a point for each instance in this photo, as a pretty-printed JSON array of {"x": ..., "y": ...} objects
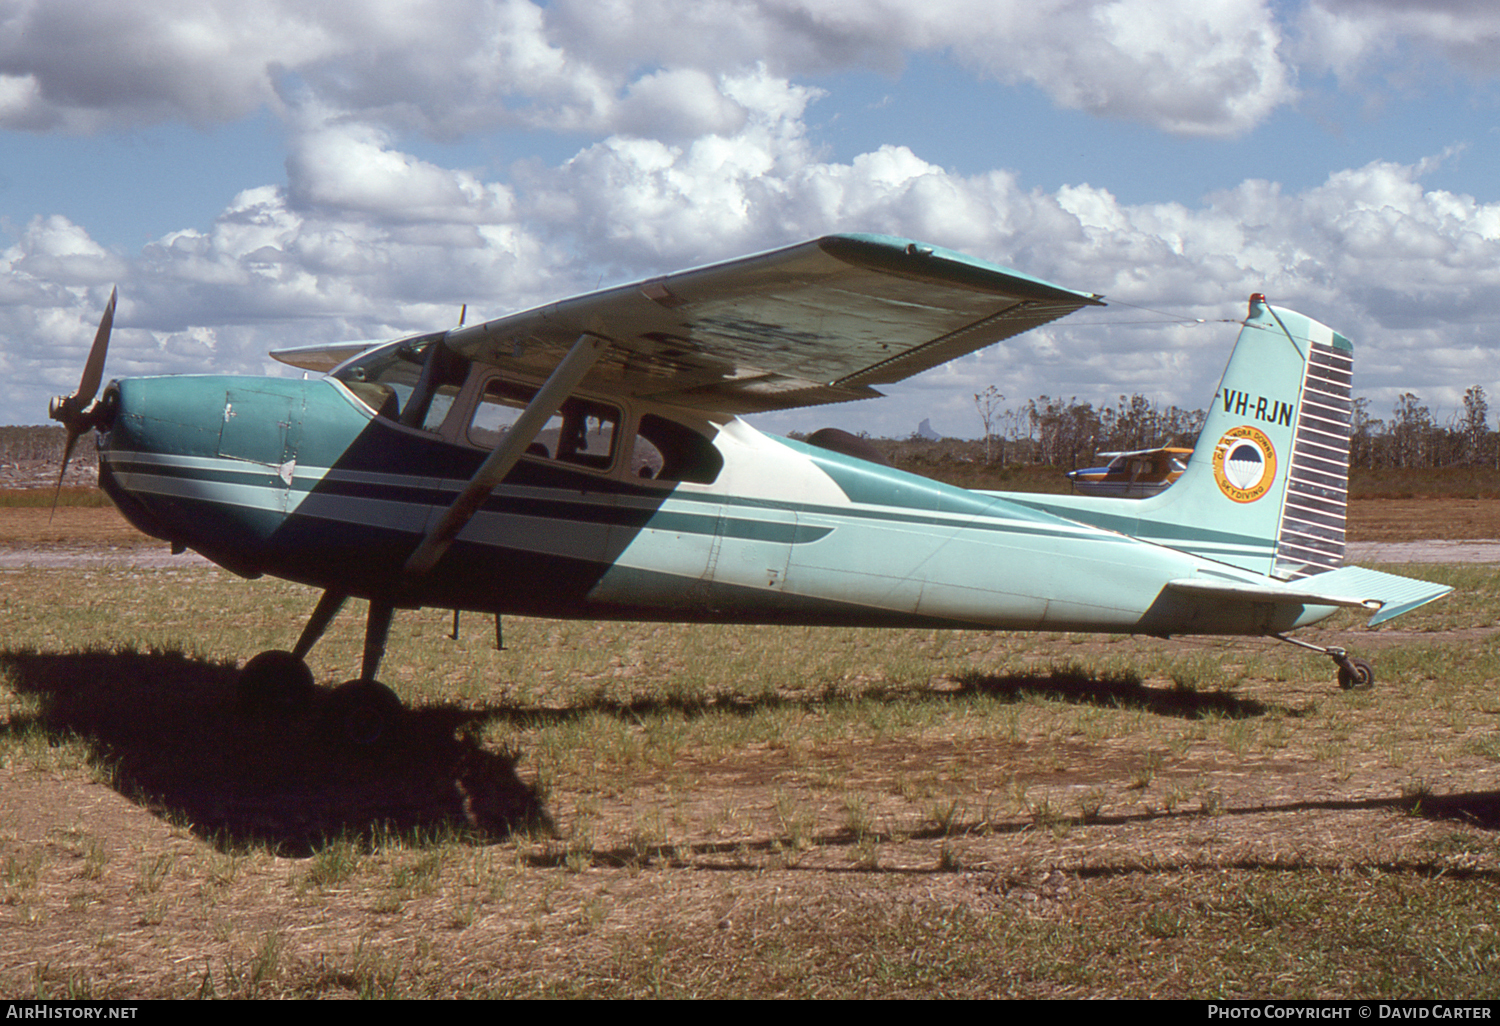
[
  {"x": 1133, "y": 474},
  {"x": 585, "y": 459}
]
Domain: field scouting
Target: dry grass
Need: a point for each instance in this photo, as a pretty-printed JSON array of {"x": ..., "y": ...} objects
[{"x": 644, "y": 810}]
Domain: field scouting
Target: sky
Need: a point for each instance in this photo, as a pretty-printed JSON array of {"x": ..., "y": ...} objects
[{"x": 263, "y": 173}]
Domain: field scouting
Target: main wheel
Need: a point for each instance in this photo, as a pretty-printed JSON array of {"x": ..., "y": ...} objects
[
  {"x": 363, "y": 711},
  {"x": 274, "y": 682},
  {"x": 1356, "y": 675}
]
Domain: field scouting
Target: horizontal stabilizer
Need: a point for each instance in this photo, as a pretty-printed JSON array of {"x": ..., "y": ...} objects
[{"x": 1349, "y": 586}]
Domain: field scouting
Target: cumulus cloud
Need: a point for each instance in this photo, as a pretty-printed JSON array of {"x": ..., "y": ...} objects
[
  {"x": 652, "y": 68},
  {"x": 82, "y": 65},
  {"x": 680, "y": 104},
  {"x": 367, "y": 241},
  {"x": 1354, "y": 37},
  {"x": 1193, "y": 67},
  {"x": 696, "y": 149},
  {"x": 341, "y": 164},
  {"x": 659, "y": 68}
]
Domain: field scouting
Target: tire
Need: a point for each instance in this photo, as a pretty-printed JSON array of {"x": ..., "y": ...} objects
[
  {"x": 274, "y": 682},
  {"x": 363, "y": 712},
  {"x": 1356, "y": 675}
]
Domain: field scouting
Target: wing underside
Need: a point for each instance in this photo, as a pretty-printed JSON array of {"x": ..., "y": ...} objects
[{"x": 820, "y": 322}]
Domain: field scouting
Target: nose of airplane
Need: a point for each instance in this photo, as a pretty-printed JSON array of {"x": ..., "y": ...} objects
[
  {"x": 124, "y": 452},
  {"x": 206, "y": 461}
]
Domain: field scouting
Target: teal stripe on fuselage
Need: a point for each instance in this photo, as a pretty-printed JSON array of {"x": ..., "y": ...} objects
[
  {"x": 1095, "y": 512},
  {"x": 870, "y": 484},
  {"x": 253, "y": 486},
  {"x": 949, "y": 506}
]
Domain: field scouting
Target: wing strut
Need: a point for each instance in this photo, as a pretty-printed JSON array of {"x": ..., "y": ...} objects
[{"x": 584, "y": 354}]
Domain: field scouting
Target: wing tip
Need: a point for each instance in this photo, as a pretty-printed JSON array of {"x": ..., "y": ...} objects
[{"x": 913, "y": 258}]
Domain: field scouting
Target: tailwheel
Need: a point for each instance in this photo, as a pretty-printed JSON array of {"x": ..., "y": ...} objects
[
  {"x": 274, "y": 682},
  {"x": 363, "y": 712},
  {"x": 1355, "y": 674}
]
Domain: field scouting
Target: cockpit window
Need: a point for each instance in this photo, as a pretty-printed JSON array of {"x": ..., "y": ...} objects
[
  {"x": 415, "y": 383},
  {"x": 581, "y": 432},
  {"x": 384, "y": 378}
]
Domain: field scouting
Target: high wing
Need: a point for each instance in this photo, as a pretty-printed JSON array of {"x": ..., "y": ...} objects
[
  {"x": 1158, "y": 451},
  {"x": 819, "y": 322}
]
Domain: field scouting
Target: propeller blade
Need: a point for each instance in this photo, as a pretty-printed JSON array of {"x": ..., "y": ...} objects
[
  {"x": 93, "y": 371},
  {"x": 67, "y": 455},
  {"x": 70, "y": 410}
]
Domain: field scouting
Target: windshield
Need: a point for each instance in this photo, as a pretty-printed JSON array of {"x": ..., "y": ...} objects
[{"x": 384, "y": 378}]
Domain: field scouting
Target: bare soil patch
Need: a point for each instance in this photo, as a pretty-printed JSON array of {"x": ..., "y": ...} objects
[
  {"x": 1399, "y": 520},
  {"x": 70, "y": 528}
]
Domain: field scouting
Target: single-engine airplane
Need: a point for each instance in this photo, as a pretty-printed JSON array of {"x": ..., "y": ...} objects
[
  {"x": 1134, "y": 474},
  {"x": 585, "y": 459}
]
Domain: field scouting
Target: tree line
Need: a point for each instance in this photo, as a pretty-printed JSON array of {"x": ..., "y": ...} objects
[
  {"x": 1414, "y": 438},
  {"x": 1058, "y": 432},
  {"x": 41, "y": 442}
]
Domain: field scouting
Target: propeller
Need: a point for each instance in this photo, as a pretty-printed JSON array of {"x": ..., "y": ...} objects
[{"x": 75, "y": 411}]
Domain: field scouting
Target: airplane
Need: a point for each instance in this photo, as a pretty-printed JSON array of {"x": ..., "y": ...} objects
[
  {"x": 1133, "y": 474},
  {"x": 586, "y": 459}
]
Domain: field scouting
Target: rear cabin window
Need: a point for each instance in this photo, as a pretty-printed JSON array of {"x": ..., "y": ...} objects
[
  {"x": 582, "y": 431},
  {"x": 668, "y": 451}
]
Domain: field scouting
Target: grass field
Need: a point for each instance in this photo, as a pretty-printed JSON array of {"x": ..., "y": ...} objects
[{"x": 642, "y": 810}]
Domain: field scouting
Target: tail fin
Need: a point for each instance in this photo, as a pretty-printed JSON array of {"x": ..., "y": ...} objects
[{"x": 1267, "y": 486}]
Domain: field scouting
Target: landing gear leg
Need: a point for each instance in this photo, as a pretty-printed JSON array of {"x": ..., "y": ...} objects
[
  {"x": 278, "y": 681},
  {"x": 328, "y": 607},
  {"x": 1354, "y": 674},
  {"x": 377, "y": 630}
]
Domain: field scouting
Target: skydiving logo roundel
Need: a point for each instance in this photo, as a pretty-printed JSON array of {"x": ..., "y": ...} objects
[{"x": 1244, "y": 463}]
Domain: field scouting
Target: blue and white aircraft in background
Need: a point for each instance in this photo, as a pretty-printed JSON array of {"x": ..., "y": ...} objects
[{"x": 585, "y": 459}]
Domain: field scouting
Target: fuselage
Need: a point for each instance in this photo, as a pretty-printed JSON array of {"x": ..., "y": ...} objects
[{"x": 308, "y": 480}]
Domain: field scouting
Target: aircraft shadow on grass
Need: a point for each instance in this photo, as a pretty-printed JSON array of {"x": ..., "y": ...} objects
[
  {"x": 167, "y": 728},
  {"x": 1120, "y": 691},
  {"x": 1478, "y": 809}
]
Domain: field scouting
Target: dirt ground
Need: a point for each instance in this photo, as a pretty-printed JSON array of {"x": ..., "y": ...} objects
[{"x": 1399, "y": 520}]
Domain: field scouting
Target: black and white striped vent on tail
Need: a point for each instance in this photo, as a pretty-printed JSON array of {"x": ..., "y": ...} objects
[{"x": 1311, "y": 539}]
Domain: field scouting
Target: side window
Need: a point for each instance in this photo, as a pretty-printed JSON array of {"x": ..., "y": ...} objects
[
  {"x": 646, "y": 460},
  {"x": 493, "y": 416},
  {"x": 437, "y": 409},
  {"x": 668, "y": 451},
  {"x": 581, "y": 432}
]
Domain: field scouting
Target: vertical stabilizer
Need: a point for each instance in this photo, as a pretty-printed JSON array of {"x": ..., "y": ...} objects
[{"x": 1268, "y": 483}]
